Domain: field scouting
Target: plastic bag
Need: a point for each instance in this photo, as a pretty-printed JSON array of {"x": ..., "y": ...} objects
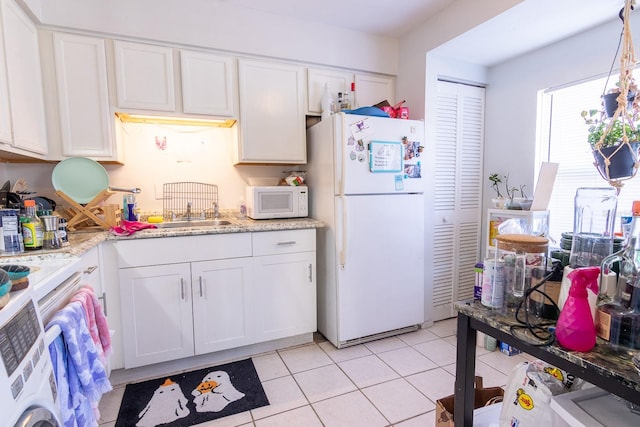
[{"x": 527, "y": 396}]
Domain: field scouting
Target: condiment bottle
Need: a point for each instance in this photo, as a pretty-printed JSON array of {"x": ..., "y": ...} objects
[
  {"x": 614, "y": 317},
  {"x": 575, "y": 329},
  {"x": 32, "y": 229}
]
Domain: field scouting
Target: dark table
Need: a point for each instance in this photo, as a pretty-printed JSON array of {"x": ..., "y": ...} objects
[{"x": 603, "y": 367}]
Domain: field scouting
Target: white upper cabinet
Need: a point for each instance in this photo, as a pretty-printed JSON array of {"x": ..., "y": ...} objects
[
  {"x": 336, "y": 81},
  {"x": 272, "y": 113},
  {"x": 24, "y": 75},
  {"x": 371, "y": 90},
  {"x": 209, "y": 83},
  {"x": 144, "y": 76},
  {"x": 83, "y": 98}
]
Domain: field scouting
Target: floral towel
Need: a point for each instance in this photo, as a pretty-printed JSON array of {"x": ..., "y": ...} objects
[{"x": 80, "y": 373}]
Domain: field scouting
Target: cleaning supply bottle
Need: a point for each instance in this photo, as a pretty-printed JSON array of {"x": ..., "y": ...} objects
[
  {"x": 575, "y": 328},
  {"x": 32, "y": 228}
]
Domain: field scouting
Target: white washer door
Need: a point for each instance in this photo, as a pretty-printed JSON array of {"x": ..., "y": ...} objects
[{"x": 37, "y": 416}]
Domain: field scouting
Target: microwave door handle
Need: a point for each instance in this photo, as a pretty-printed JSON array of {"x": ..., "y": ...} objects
[{"x": 343, "y": 249}]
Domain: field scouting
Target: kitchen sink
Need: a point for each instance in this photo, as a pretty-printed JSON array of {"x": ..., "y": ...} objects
[{"x": 194, "y": 223}]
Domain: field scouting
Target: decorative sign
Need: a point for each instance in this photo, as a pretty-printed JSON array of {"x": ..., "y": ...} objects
[{"x": 385, "y": 156}]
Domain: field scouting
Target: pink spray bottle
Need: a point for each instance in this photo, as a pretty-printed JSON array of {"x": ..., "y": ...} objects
[{"x": 575, "y": 328}]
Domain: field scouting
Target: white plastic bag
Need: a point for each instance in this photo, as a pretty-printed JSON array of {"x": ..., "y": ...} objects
[{"x": 527, "y": 396}]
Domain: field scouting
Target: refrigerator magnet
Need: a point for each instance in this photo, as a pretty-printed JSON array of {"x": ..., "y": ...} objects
[
  {"x": 385, "y": 156},
  {"x": 399, "y": 183}
]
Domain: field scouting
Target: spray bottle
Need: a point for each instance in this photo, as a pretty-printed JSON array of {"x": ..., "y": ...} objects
[{"x": 575, "y": 329}]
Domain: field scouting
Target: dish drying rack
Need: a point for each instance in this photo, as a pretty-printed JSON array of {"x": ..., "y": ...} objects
[{"x": 189, "y": 200}]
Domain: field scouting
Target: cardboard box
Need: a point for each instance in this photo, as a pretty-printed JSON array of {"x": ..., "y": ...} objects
[
  {"x": 483, "y": 397},
  {"x": 508, "y": 350}
]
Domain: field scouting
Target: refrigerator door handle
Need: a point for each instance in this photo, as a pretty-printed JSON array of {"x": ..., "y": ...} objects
[{"x": 343, "y": 249}]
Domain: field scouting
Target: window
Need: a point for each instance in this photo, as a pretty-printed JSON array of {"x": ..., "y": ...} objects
[{"x": 568, "y": 146}]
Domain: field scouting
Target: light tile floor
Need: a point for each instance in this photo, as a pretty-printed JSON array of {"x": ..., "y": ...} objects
[{"x": 390, "y": 382}]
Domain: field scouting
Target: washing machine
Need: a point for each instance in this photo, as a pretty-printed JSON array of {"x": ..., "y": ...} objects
[{"x": 28, "y": 394}]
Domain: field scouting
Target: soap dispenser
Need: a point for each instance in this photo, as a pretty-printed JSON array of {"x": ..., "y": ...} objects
[{"x": 575, "y": 328}]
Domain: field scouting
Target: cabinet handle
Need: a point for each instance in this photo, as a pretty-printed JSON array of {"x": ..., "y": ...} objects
[
  {"x": 310, "y": 273},
  {"x": 91, "y": 269},
  {"x": 181, "y": 288},
  {"x": 290, "y": 242},
  {"x": 103, "y": 298},
  {"x": 200, "y": 280}
]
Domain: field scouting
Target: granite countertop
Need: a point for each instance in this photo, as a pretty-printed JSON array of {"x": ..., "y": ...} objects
[
  {"x": 83, "y": 240},
  {"x": 602, "y": 358}
]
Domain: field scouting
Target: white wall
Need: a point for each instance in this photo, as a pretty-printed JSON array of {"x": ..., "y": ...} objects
[
  {"x": 460, "y": 17},
  {"x": 191, "y": 154},
  {"x": 512, "y": 96},
  {"x": 221, "y": 25}
]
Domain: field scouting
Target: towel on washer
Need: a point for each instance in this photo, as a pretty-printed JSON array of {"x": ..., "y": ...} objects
[
  {"x": 85, "y": 373},
  {"x": 75, "y": 408},
  {"x": 96, "y": 321}
]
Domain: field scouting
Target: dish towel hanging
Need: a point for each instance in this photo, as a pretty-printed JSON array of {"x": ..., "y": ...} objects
[
  {"x": 80, "y": 373},
  {"x": 96, "y": 321}
]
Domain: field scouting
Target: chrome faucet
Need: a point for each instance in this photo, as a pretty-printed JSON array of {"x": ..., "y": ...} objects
[
  {"x": 188, "y": 212},
  {"x": 216, "y": 211}
]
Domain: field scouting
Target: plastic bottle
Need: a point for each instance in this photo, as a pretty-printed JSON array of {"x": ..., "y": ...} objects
[
  {"x": 327, "y": 103},
  {"x": 354, "y": 101},
  {"x": 575, "y": 328},
  {"x": 614, "y": 316},
  {"x": 32, "y": 229}
]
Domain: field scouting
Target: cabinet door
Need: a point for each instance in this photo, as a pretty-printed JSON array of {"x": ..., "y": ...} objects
[
  {"x": 81, "y": 77},
  {"x": 144, "y": 76},
  {"x": 5, "y": 112},
  {"x": 371, "y": 90},
  {"x": 221, "y": 316},
  {"x": 272, "y": 113},
  {"x": 209, "y": 84},
  {"x": 337, "y": 81},
  {"x": 285, "y": 292},
  {"x": 156, "y": 313},
  {"x": 24, "y": 74}
]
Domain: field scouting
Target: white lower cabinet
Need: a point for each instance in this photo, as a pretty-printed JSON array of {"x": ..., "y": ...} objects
[
  {"x": 156, "y": 313},
  {"x": 265, "y": 290},
  {"x": 286, "y": 291},
  {"x": 222, "y": 304}
]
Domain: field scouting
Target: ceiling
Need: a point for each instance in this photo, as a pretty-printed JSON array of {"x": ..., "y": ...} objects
[{"x": 527, "y": 26}]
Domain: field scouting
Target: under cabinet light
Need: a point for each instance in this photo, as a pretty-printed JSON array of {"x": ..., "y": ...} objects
[{"x": 184, "y": 121}]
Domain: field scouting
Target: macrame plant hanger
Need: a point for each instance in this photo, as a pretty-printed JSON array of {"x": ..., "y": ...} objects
[{"x": 627, "y": 82}]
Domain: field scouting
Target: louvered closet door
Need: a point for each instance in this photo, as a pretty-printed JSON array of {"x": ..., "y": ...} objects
[{"x": 457, "y": 200}]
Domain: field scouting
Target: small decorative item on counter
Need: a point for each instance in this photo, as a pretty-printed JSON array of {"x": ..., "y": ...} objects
[{"x": 575, "y": 329}]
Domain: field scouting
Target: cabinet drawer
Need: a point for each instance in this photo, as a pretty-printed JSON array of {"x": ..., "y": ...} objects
[
  {"x": 284, "y": 242},
  {"x": 171, "y": 250}
]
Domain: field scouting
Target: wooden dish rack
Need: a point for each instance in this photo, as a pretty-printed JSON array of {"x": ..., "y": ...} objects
[{"x": 94, "y": 214}]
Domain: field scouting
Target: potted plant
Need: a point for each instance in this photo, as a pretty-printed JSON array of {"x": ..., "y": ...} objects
[
  {"x": 499, "y": 200},
  {"x": 513, "y": 202},
  {"x": 615, "y": 139},
  {"x": 526, "y": 202},
  {"x": 614, "y": 142}
]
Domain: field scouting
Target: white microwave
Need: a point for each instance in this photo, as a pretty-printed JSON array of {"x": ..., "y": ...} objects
[{"x": 277, "y": 202}]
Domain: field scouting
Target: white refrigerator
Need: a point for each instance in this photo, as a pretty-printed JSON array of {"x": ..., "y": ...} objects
[{"x": 366, "y": 184}]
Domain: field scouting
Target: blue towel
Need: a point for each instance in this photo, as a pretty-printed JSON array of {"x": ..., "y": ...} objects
[{"x": 79, "y": 370}]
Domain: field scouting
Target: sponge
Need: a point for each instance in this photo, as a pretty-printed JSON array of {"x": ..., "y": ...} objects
[{"x": 155, "y": 219}]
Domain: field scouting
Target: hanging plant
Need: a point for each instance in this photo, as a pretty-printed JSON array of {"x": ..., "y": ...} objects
[{"x": 615, "y": 141}]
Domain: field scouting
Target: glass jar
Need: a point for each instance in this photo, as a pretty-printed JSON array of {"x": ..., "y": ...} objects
[
  {"x": 593, "y": 226},
  {"x": 525, "y": 265}
]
